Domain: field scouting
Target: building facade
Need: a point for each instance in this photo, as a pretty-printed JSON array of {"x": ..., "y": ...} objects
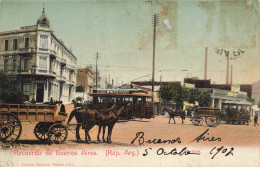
[
  {"x": 256, "y": 90},
  {"x": 86, "y": 79},
  {"x": 221, "y": 93},
  {"x": 38, "y": 62}
]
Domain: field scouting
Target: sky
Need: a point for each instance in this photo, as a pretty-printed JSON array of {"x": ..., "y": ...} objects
[{"x": 122, "y": 32}]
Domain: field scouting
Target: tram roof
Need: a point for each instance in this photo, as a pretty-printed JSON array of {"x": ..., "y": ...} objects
[
  {"x": 120, "y": 94},
  {"x": 238, "y": 103}
]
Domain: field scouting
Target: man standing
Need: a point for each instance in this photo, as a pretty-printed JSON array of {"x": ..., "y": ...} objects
[{"x": 256, "y": 119}]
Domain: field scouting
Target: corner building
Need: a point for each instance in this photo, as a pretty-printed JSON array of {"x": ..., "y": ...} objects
[{"x": 38, "y": 63}]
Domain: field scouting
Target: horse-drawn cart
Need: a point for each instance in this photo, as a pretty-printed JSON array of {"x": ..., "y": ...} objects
[
  {"x": 212, "y": 116},
  {"x": 48, "y": 128}
]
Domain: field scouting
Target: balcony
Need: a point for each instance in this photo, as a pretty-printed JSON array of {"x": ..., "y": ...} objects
[
  {"x": 20, "y": 51},
  {"x": 25, "y": 51},
  {"x": 62, "y": 79},
  {"x": 70, "y": 82},
  {"x": 53, "y": 54},
  {"x": 63, "y": 62}
]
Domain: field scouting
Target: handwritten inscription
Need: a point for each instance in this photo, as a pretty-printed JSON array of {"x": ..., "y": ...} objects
[
  {"x": 222, "y": 150},
  {"x": 203, "y": 137},
  {"x": 140, "y": 139}
]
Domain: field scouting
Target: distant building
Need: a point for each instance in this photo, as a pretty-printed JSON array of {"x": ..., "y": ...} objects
[
  {"x": 86, "y": 79},
  {"x": 222, "y": 92},
  {"x": 256, "y": 90},
  {"x": 38, "y": 62},
  {"x": 147, "y": 85},
  {"x": 207, "y": 84}
]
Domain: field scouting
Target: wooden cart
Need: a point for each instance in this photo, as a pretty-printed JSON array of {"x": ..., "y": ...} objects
[
  {"x": 48, "y": 128},
  {"x": 212, "y": 116}
]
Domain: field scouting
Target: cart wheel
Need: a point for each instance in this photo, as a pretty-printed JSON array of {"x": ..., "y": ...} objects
[
  {"x": 212, "y": 121},
  {"x": 10, "y": 127},
  {"x": 198, "y": 121},
  {"x": 57, "y": 133},
  {"x": 41, "y": 130}
]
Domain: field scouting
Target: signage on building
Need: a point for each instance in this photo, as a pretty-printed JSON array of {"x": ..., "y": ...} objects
[
  {"x": 188, "y": 85},
  {"x": 235, "y": 88}
]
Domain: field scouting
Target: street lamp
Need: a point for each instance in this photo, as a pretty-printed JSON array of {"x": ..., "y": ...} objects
[{"x": 34, "y": 83}]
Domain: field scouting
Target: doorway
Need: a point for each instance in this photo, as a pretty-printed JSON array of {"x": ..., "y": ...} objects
[{"x": 40, "y": 93}]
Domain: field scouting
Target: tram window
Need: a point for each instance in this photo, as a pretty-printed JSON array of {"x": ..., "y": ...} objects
[
  {"x": 127, "y": 100},
  {"x": 119, "y": 100},
  {"x": 224, "y": 109},
  {"x": 107, "y": 100}
]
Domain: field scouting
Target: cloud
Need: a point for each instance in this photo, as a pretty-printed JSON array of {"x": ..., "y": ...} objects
[{"x": 167, "y": 25}]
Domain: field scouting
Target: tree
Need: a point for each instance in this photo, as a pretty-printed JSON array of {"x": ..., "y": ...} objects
[
  {"x": 9, "y": 93},
  {"x": 174, "y": 92},
  {"x": 179, "y": 94},
  {"x": 193, "y": 95},
  {"x": 79, "y": 89},
  {"x": 251, "y": 100},
  {"x": 204, "y": 99},
  {"x": 165, "y": 93}
]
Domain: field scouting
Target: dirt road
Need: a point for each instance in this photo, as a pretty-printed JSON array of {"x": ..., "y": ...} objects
[{"x": 158, "y": 128}]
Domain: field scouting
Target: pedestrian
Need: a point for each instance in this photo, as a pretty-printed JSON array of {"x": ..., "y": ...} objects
[{"x": 256, "y": 119}]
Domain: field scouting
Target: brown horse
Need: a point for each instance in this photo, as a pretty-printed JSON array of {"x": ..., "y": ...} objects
[
  {"x": 93, "y": 117},
  {"x": 79, "y": 113},
  {"x": 172, "y": 113}
]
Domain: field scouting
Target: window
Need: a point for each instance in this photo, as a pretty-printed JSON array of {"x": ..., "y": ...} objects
[
  {"x": 14, "y": 64},
  {"x": 6, "y": 45},
  {"x": 26, "y": 89},
  {"x": 15, "y": 44},
  {"x": 44, "y": 42},
  {"x": 6, "y": 65},
  {"x": 26, "y": 64},
  {"x": 43, "y": 63},
  {"x": 26, "y": 42},
  {"x": 44, "y": 20}
]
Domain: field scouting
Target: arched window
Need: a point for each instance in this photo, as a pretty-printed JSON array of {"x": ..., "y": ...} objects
[{"x": 44, "y": 20}]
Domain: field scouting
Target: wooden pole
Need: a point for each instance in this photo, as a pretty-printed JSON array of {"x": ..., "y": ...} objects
[{"x": 206, "y": 63}]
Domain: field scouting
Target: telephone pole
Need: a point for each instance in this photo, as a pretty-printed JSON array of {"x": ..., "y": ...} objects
[
  {"x": 227, "y": 77},
  {"x": 155, "y": 21},
  {"x": 97, "y": 56},
  {"x": 206, "y": 64},
  {"x": 231, "y": 76}
]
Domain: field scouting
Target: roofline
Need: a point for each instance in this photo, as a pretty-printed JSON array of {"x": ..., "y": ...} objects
[
  {"x": 63, "y": 44},
  {"x": 35, "y": 30},
  {"x": 18, "y": 31},
  {"x": 120, "y": 94}
]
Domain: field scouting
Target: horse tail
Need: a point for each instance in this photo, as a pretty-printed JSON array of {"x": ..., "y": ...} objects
[{"x": 71, "y": 115}]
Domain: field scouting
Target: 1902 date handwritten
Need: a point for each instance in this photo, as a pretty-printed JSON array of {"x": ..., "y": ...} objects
[{"x": 203, "y": 137}]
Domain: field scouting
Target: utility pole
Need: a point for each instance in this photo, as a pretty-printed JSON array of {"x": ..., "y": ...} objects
[
  {"x": 227, "y": 78},
  {"x": 231, "y": 76},
  {"x": 97, "y": 56},
  {"x": 206, "y": 63},
  {"x": 155, "y": 21}
]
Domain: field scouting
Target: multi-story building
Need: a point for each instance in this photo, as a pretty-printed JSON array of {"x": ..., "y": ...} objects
[
  {"x": 38, "y": 62},
  {"x": 86, "y": 79}
]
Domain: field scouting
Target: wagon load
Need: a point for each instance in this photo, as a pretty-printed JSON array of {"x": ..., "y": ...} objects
[
  {"x": 211, "y": 115},
  {"x": 49, "y": 126}
]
